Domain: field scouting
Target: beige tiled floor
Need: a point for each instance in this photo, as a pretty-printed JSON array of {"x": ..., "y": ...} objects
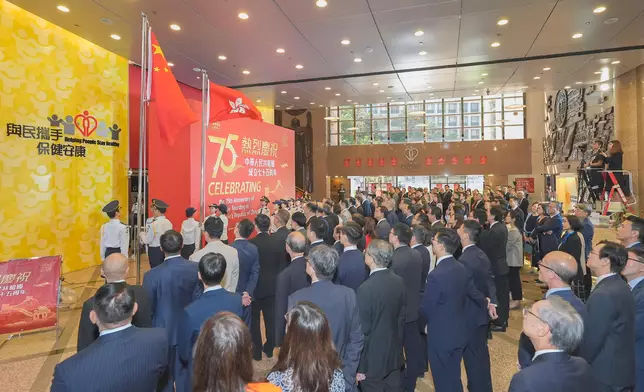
[{"x": 27, "y": 362}]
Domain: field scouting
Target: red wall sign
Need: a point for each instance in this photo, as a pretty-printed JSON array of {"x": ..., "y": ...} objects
[
  {"x": 347, "y": 162},
  {"x": 29, "y": 293},
  {"x": 358, "y": 162},
  {"x": 454, "y": 160},
  {"x": 468, "y": 160},
  {"x": 394, "y": 161},
  {"x": 370, "y": 162},
  {"x": 428, "y": 161},
  {"x": 441, "y": 160},
  {"x": 483, "y": 159},
  {"x": 525, "y": 184},
  {"x": 381, "y": 162}
]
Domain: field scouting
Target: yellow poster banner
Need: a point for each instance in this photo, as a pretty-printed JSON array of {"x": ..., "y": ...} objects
[{"x": 63, "y": 142}]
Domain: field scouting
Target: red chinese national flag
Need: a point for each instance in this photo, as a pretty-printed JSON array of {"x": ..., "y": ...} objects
[
  {"x": 173, "y": 112},
  {"x": 228, "y": 104}
]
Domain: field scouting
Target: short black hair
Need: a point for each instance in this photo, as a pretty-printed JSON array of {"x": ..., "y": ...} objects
[
  {"x": 245, "y": 228},
  {"x": 358, "y": 218},
  {"x": 353, "y": 231},
  {"x": 312, "y": 207},
  {"x": 214, "y": 226},
  {"x": 458, "y": 209},
  {"x": 437, "y": 212},
  {"x": 498, "y": 213},
  {"x": 114, "y": 302},
  {"x": 212, "y": 268},
  {"x": 637, "y": 224},
  {"x": 299, "y": 218},
  {"x": 575, "y": 223},
  {"x": 171, "y": 241},
  {"x": 383, "y": 210},
  {"x": 319, "y": 227},
  {"x": 406, "y": 201},
  {"x": 616, "y": 253},
  {"x": 449, "y": 238},
  {"x": 422, "y": 218},
  {"x": 402, "y": 232},
  {"x": 263, "y": 222},
  {"x": 473, "y": 229},
  {"x": 420, "y": 233}
]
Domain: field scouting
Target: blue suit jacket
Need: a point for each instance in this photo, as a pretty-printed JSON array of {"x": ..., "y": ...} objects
[
  {"x": 352, "y": 270},
  {"x": 478, "y": 267},
  {"x": 444, "y": 305},
  {"x": 392, "y": 218},
  {"x": 248, "y": 266},
  {"x": 171, "y": 287},
  {"x": 555, "y": 224},
  {"x": 638, "y": 295},
  {"x": 526, "y": 348},
  {"x": 129, "y": 360},
  {"x": 291, "y": 279},
  {"x": 555, "y": 372},
  {"x": 340, "y": 306},
  {"x": 209, "y": 304}
]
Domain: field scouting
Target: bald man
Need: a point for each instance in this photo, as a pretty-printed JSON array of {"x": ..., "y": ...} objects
[
  {"x": 556, "y": 270},
  {"x": 113, "y": 270}
]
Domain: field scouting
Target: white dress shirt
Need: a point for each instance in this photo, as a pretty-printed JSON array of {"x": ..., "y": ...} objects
[
  {"x": 600, "y": 278},
  {"x": 442, "y": 258},
  {"x": 376, "y": 270},
  {"x": 539, "y": 352},
  {"x": 191, "y": 232},
  {"x": 114, "y": 330},
  {"x": 114, "y": 234}
]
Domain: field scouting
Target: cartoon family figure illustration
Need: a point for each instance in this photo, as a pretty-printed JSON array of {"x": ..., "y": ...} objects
[{"x": 83, "y": 122}]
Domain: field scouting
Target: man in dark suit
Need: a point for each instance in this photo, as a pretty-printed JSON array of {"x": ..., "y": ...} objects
[
  {"x": 435, "y": 216},
  {"x": 631, "y": 232},
  {"x": 408, "y": 264},
  {"x": 493, "y": 242},
  {"x": 280, "y": 219},
  {"x": 446, "y": 199},
  {"x": 381, "y": 303},
  {"x": 365, "y": 204},
  {"x": 352, "y": 206},
  {"x": 406, "y": 214},
  {"x": 315, "y": 232},
  {"x": 555, "y": 329},
  {"x": 555, "y": 224},
  {"x": 477, "y": 202},
  {"x": 214, "y": 299},
  {"x": 337, "y": 245},
  {"x": 524, "y": 203},
  {"x": 634, "y": 274},
  {"x": 556, "y": 270},
  {"x": 114, "y": 270},
  {"x": 332, "y": 221},
  {"x": 514, "y": 205},
  {"x": 420, "y": 238},
  {"x": 351, "y": 271},
  {"x": 248, "y": 265},
  {"x": 609, "y": 336},
  {"x": 476, "y": 354},
  {"x": 444, "y": 307},
  {"x": 382, "y": 226},
  {"x": 264, "y": 302},
  {"x": 291, "y": 279},
  {"x": 340, "y": 306},
  {"x": 124, "y": 357}
]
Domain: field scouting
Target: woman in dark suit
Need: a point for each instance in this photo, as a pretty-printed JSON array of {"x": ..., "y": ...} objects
[
  {"x": 528, "y": 226},
  {"x": 614, "y": 162},
  {"x": 546, "y": 242},
  {"x": 571, "y": 243}
]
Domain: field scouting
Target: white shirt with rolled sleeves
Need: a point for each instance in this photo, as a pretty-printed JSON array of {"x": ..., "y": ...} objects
[
  {"x": 114, "y": 234},
  {"x": 191, "y": 232},
  {"x": 231, "y": 277},
  {"x": 159, "y": 225}
]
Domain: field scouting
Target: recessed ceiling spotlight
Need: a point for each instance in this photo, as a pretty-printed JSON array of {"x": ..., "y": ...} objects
[
  {"x": 577, "y": 35},
  {"x": 289, "y": 108},
  {"x": 382, "y": 91},
  {"x": 547, "y": 69},
  {"x": 348, "y": 100},
  {"x": 387, "y": 97},
  {"x": 376, "y": 84},
  {"x": 62, "y": 8},
  {"x": 321, "y": 3},
  {"x": 422, "y": 53},
  {"x": 481, "y": 82},
  {"x": 610, "y": 21},
  {"x": 311, "y": 103},
  {"x": 321, "y": 106},
  {"x": 502, "y": 22},
  {"x": 567, "y": 87},
  {"x": 431, "y": 94},
  {"x": 299, "y": 66},
  {"x": 429, "y": 87},
  {"x": 283, "y": 92},
  {"x": 246, "y": 72},
  {"x": 598, "y": 72},
  {"x": 483, "y": 74},
  {"x": 537, "y": 77},
  {"x": 296, "y": 97},
  {"x": 170, "y": 64},
  {"x": 242, "y": 15},
  {"x": 615, "y": 62},
  {"x": 357, "y": 60},
  {"x": 577, "y": 82},
  {"x": 258, "y": 100},
  {"x": 222, "y": 57},
  {"x": 280, "y": 50},
  {"x": 175, "y": 27},
  {"x": 277, "y": 106},
  {"x": 495, "y": 44},
  {"x": 599, "y": 9},
  {"x": 197, "y": 69},
  {"x": 327, "y": 88},
  {"x": 198, "y": 77},
  {"x": 107, "y": 21},
  {"x": 337, "y": 94},
  {"x": 115, "y": 37},
  {"x": 604, "y": 87},
  {"x": 345, "y": 42}
]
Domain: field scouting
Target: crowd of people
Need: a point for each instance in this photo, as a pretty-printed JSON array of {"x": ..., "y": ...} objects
[{"x": 368, "y": 293}]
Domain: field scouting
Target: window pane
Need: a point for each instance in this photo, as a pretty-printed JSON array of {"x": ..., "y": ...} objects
[
  {"x": 398, "y": 136},
  {"x": 515, "y": 132},
  {"x": 380, "y": 138},
  {"x": 492, "y": 119},
  {"x": 397, "y": 124},
  {"x": 472, "y": 106},
  {"x": 453, "y": 134},
  {"x": 363, "y": 133},
  {"x": 513, "y": 101},
  {"x": 416, "y": 135},
  {"x": 492, "y": 133},
  {"x": 346, "y": 113},
  {"x": 415, "y": 109},
  {"x": 492, "y": 105},
  {"x": 346, "y": 138},
  {"x": 434, "y": 107},
  {"x": 333, "y": 112},
  {"x": 396, "y": 110},
  {"x": 434, "y": 122},
  {"x": 453, "y": 107},
  {"x": 379, "y": 111},
  {"x": 414, "y": 122},
  {"x": 434, "y": 135},
  {"x": 380, "y": 126},
  {"x": 472, "y": 120},
  {"x": 333, "y": 127},
  {"x": 344, "y": 125},
  {"x": 472, "y": 134},
  {"x": 452, "y": 121},
  {"x": 514, "y": 117},
  {"x": 363, "y": 138},
  {"x": 363, "y": 113},
  {"x": 333, "y": 139}
]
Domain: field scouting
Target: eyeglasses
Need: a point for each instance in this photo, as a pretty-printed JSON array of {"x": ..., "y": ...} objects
[
  {"x": 527, "y": 311},
  {"x": 541, "y": 265}
]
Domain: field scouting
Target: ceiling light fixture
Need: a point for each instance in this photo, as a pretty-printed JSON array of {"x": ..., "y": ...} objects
[
  {"x": 337, "y": 94},
  {"x": 610, "y": 21},
  {"x": 599, "y": 9},
  {"x": 345, "y": 42},
  {"x": 62, "y": 8},
  {"x": 577, "y": 35},
  {"x": 170, "y": 64},
  {"x": 495, "y": 44},
  {"x": 376, "y": 84},
  {"x": 598, "y": 72},
  {"x": 348, "y": 100},
  {"x": 299, "y": 66},
  {"x": 321, "y": 106},
  {"x": 422, "y": 53},
  {"x": 327, "y": 88},
  {"x": 222, "y": 57},
  {"x": 481, "y": 82},
  {"x": 331, "y": 118},
  {"x": 502, "y": 22},
  {"x": 115, "y": 37},
  {"x": 547, "y": 69},
  {"x": 567, "y": 87},
  {"x": 604, "y": 87},
  {"x": 197, "y": 69},
  {"x": 296, "y": 97},
  {"x": 242, "y": 15},
  {"x": 283, "y": 91},
  {"x": 258, "y": 100},
  {"x": 311, "y": 103},
  {"x": 577, "y": 82},
  {"x": 387, "y": 97},
  {"x": 277, "y": 106},
  {"x": 357, "y": 60},
  {"x": 280, "y": 50},
  {"x": 321, "y": 3},
  {"x": 382, "y": 91},
  {"x": 483, "y": 74},
  {"x": 615, "y": 62},
  {"x": 246, "y": 72},
  {"x": 418, "y": 33},
  {"x": 175, "y": 27},
  {"x": 537, "y": 77}
]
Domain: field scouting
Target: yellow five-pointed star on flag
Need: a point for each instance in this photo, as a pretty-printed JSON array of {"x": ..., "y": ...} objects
[
  {"x": 157, "y": 50},
  {"x": 166, "y": 69},
  {"x": 156, "y": 69}
]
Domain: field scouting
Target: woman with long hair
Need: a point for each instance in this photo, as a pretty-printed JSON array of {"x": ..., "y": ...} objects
[
  {"x": 223, "y": 359},
  {"x": 307, "y": 361},
  {"x": 514, "y": 256},
  {"x": 528, "y": 227},
  {"x": 572, "y": 242},
  {"x": 614, "y": 162}
]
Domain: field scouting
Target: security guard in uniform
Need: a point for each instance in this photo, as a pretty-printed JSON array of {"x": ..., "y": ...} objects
[
  {"x": 152, "y": 236},
  {"x": 191, "y": 233},
  {"x": 264, "y": 209},
  {"x": 115, "y": 237}
]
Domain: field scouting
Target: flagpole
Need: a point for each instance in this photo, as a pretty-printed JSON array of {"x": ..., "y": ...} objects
[
  {"x": 205, "y": 118},
  {"x": 145, "y": 27}
]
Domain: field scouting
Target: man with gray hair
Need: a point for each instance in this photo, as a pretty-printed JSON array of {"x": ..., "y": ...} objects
[
  {"x": 555, "y": 329},
  {"x": 340, "y": 306},
  {"x": 381, "y": 303},
  {"x": 291, "y": 279}
]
